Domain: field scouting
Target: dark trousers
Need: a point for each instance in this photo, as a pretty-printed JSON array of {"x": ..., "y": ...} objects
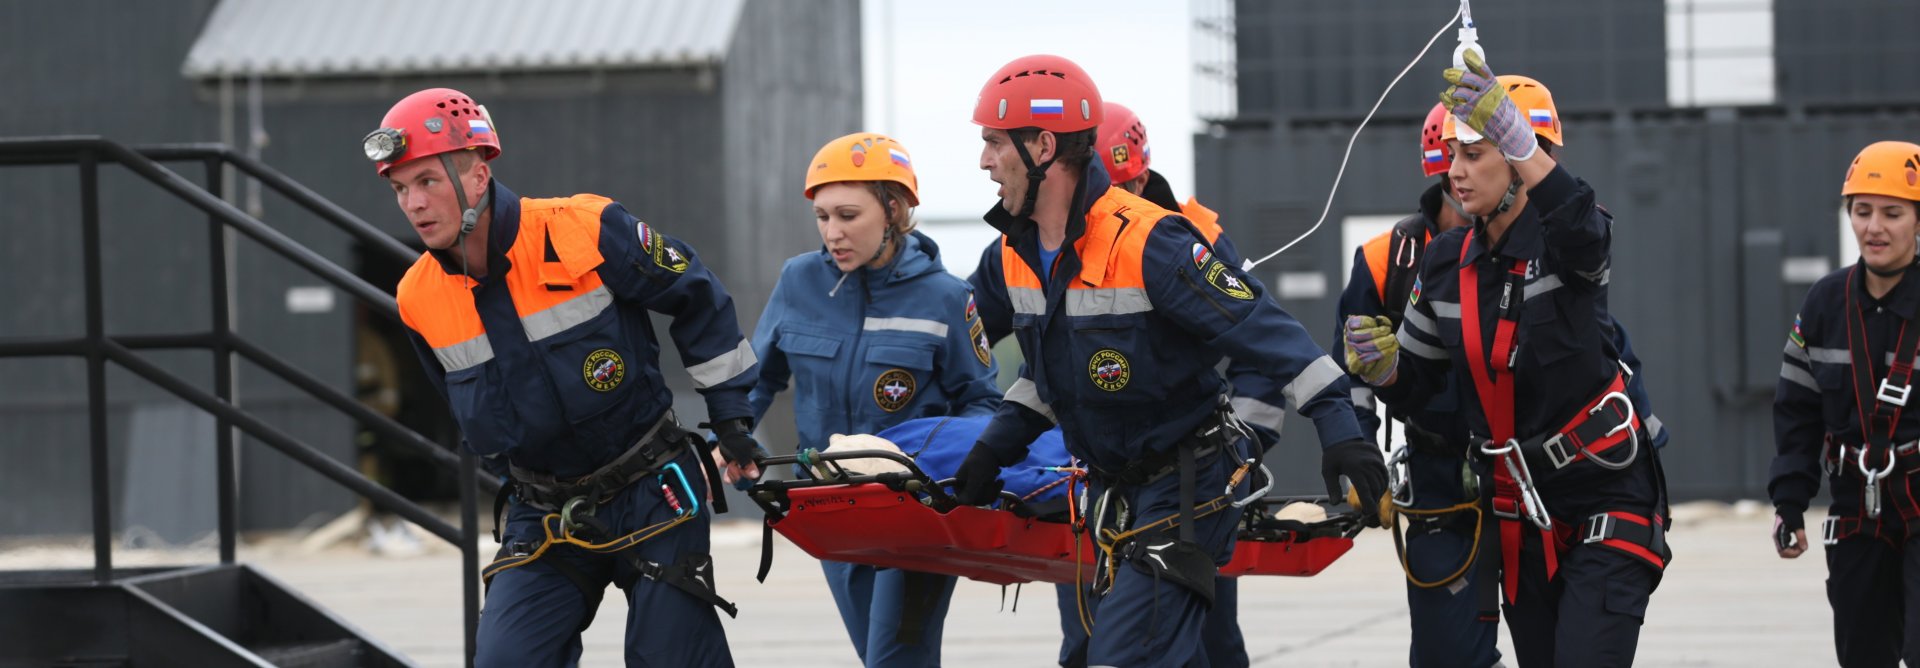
[
  {"x": 1220, "y": 636},
  {"x": 1590, "y": 613},
  {"x": 534, "y": 613},
  {"x": 1447, "y": 631}
]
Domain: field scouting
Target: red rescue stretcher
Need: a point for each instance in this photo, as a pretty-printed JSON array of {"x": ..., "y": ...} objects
[{"x": 906, "y": 520}]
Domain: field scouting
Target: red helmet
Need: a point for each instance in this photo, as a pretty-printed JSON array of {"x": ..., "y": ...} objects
[
  {"x": 431, "y": 122},
  {"x": 1040, "y": 91},
  {"x": 1434, "y": 158},
  {"x": 1122, "y": 144}
]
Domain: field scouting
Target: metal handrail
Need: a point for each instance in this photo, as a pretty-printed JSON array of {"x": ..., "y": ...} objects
[{"x": 98, "y": 348}]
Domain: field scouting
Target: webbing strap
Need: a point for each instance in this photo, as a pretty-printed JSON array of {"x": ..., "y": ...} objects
[
  {"x": 1497, "y": 404},
  {"x": 1888, "y": 404}
]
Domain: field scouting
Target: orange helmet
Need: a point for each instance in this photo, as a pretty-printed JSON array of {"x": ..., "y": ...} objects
[
  {"x": 431, "y": 122},
  {"x": 1122, "y": 144},
  {"x": 1890, "y": 168},
  {"x": 863, "y": 156},
  {"x": 1434, "y": 158},
  {"x": 1039, "y": 91},
  {"x": 1535, "y": 104}
]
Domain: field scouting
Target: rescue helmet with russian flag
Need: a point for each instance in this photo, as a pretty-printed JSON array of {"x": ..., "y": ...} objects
[
  {"x": 863, "y": 157},
  {"x": 1122, "y": 144},
  {"x": 1434, "y": 158},
  {"x": 1536, "y": 107},
  {"x": 1039, "y": 91},
  {"x": 429, "y": 123},
  {"x": 1890, "y": 168}
]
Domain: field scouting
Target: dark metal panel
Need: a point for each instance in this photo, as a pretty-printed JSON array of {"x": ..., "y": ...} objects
[
  {"x": 1860, "y": 51},
  {"x": 1311, "y": 58}
]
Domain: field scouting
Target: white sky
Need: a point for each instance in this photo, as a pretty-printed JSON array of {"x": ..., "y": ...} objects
[{"x": 926, "y": 61}]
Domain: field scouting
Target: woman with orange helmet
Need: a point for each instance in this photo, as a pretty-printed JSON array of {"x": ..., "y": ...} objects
[
  {"x": 1511, "y": 312},
  {"x": 1840, "y": 409},
  {"x": 873, "y": 331}
]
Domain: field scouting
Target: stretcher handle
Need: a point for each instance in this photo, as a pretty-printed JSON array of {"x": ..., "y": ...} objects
[
  {"x": 937, "y": 491},
  {"x": 1008, "y": 500},
  {"x": 1340, "y": 516}
]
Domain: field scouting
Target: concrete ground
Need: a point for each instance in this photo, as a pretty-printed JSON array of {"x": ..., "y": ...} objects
[{"x": 1727, "y": 601}]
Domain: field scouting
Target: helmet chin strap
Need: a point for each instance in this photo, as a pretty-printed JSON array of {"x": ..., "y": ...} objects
[
  {"x": 1035, "y": 174},
  {"x": 1454, "y": 203},
  {"x": 469, "y": 216},
  {"x": 1506, "y": 201}
]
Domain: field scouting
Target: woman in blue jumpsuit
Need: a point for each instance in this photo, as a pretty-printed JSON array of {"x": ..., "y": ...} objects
[{"x": 873, "y": 331}]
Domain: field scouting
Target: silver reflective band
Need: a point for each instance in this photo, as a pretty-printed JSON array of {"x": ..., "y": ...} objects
[
  {"x": 1837, "y": 356},
  {"x": 723, "y": 368},
  {"x": 1799, "y": 376},
  {"x": 1312, "y": 380},
  {"x": 1026, "y": 394},
  {"x": 1030, "y": 301},
  {"x": 1107, "y": 301},
  {"x": 465, "y": 354},
  {"x": 1419, "y": 321},
  {"x": 1446, "y": 309},
  {"x": 1544, "y": 285},
  {"x": 921, "y": 325},
  {"x": 1796, "y": 352},
  {"x": 1259, "y": 413},
  {"x": 1363, "y": 398},
  {"x": 565, "y": 315},
  {"x": 1415, "y": 346},
  {"x": 1654, "y": 427}
]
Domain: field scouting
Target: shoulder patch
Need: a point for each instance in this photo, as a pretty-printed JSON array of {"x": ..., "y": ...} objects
[
  {"x": 1795, "y": 336},
  {"x": 1228, "y": 281},
  {"x": 1414, "y": 297},
  {"x": 1201, "y": 255},
  {"x": 663, "y": 251},
  {"x": 981, "y": 348}
]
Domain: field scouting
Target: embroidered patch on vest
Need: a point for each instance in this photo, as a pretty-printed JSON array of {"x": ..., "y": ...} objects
[
  {"x": 1201, "y": 255},
  {"x": 981, "y": 348},
  {"x": 603, "y": 370},
  {"x": 1225, "y": 281},
  {"x": 893, "y": 389},
  {"x": 1109, "y": 370}
]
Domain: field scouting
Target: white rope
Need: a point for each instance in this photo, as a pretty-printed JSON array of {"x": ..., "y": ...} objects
[{"x": 1249, "y": 264}]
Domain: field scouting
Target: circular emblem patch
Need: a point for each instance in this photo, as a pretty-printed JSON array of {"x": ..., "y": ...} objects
[
  {"x": 603, "y": 370},
  {"x": 893, "y": 389},
  {"x": 1109, "y": 370}
]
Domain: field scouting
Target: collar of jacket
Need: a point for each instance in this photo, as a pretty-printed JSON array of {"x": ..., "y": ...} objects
[
  {"x": 1521, "y": 242},
  {"x": 501, "y": 230},
  {"x": 1430, "y": 205},
  {"x": 918, "y": 256},
  {"x": 1904, "y": 298}
]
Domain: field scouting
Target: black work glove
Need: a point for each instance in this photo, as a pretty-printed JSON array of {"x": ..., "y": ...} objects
[
  {"x": 977, "y": 483},
  {"x": 1363, "y": 467},
  {"x": 1789, "y": 521},
  {"x": 736, "y": 441}
]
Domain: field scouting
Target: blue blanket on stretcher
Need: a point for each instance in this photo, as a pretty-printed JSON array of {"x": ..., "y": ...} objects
[{"x": 939, "y": 444}]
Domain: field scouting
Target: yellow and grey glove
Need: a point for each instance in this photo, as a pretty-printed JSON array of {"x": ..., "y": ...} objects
[
  {"x": 1476, "y": 98},
  {"x": 1372, "y": 350}
]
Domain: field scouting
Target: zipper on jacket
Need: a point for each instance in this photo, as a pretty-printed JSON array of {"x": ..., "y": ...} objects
[{"x": 1203, "y": 295}]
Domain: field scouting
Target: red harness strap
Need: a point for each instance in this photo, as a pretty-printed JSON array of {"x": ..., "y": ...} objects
[
  {"x": 1880, "y": 414},
  {"x": 1493, "y": 381}
]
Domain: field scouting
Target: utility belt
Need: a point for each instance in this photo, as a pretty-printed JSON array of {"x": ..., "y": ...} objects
[
  {"x": 662, "y": 442},
  {"x": 1586, "y": 445},
  {"x": 1838, "y": 460},
  {"x": 1218, "y": 432}
]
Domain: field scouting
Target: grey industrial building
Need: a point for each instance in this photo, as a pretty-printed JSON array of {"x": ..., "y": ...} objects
[
  {"x": 696, "y": 115},
  {"x": 1727, "y": 209}
]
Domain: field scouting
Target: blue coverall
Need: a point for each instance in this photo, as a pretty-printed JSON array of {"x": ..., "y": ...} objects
[
  {"x": 1121, "y": 344},
  {"x": 893, "y": 343},
  {"x": 1447, "y": 630},
  {"x": 551, "y": 366},
  {"x": 1589, "y": 613}
]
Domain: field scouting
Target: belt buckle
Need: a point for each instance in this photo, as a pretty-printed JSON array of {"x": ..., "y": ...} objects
[
  {"x": 1599, "y": 528},
  {"x": 1557, "y": 454},
  {"x": 1512, "y": 511},
  {"x": 1906, "y": 448},
  {"x": 1830, "y": 531},
  {"x": 1892, "y": 394}
]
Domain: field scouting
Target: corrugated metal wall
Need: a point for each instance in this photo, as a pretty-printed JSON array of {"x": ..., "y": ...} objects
[
  {"x": 1709, "y": 203},
  {"x": 711, "y": 157}
]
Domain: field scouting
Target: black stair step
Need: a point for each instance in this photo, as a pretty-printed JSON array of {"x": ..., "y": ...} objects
[{"x": 344, "y": 653}]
